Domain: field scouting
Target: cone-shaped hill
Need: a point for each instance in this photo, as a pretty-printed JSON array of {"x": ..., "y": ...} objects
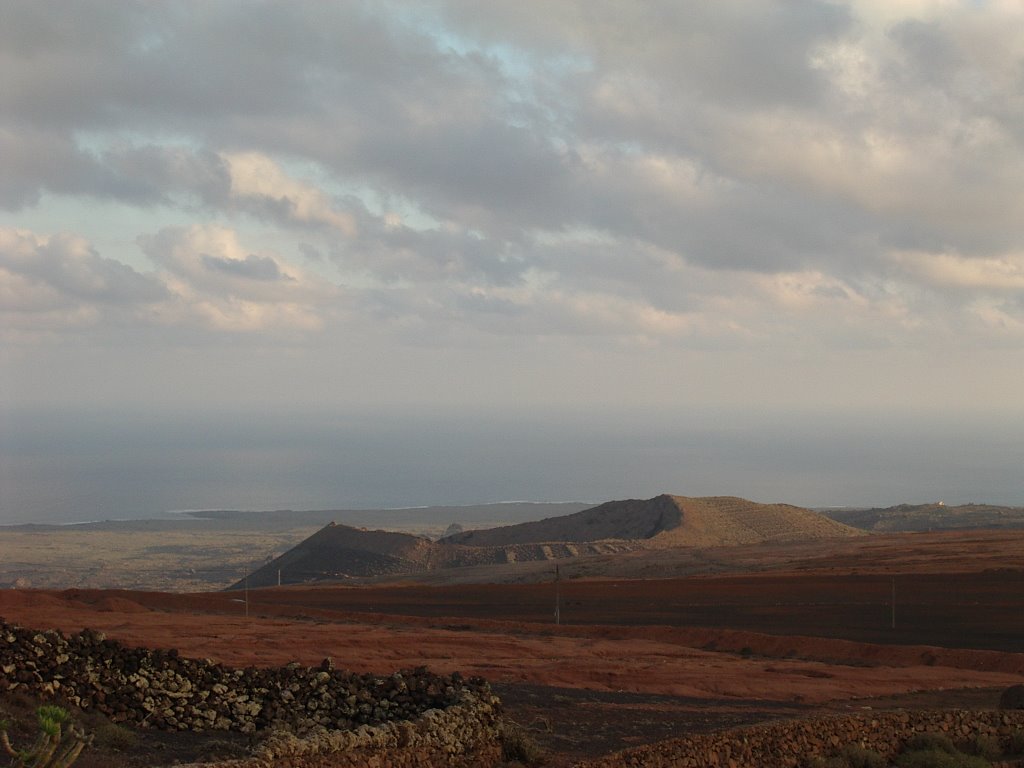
[
  {"x": 340, "y": 551},
  {"x": 664, "y": 522}
]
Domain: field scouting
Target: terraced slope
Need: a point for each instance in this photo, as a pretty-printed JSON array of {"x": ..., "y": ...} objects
[
  {"x": 338, "y": 552},
  {"x": 718, "y": 521}
]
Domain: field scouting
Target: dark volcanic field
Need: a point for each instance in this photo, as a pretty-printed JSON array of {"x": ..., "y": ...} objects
[{"x": 954, "y": 610}]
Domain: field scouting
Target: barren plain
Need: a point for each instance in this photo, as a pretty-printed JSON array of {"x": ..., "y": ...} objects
[{"x": 741, "y": 635}]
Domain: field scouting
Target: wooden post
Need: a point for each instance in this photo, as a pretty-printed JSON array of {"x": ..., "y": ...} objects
[
  {"x": 894, "y": 602},
  {"x": 558, "y": 597}
]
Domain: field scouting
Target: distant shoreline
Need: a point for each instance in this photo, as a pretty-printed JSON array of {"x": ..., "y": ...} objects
[{"x": 429, "y": 513}]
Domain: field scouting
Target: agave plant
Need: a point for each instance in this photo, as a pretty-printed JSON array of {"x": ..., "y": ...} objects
[{"x": 58, "y": 744}]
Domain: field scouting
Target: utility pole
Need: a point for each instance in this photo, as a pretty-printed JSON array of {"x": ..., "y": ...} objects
[
  {"x": 894, "y": 602},
  {"x": 247, "y": 594},
  {"x": 558, "y": 597}
]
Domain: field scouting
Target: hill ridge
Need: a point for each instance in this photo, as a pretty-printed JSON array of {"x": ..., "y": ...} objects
[
  {"x": 614, "y": 527},
  {"x": 628, "y": 519}
]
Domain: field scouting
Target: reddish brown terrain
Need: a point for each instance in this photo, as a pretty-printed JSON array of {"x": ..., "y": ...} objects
[{"x": 635, "y": 660}]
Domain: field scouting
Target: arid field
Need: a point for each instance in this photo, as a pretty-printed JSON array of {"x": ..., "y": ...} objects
[{"x": 774, "y": 631}]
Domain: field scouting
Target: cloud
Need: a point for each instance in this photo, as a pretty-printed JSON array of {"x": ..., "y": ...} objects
[
  {"x": 36, "y": 161},
  {"x": 510, "y": 120},
  {"x": 252, "y": 267},
  {"x": 164, "y": 173},
  {"x": 258, "y": 184},
  {"x": 143, "y": 175},
  {"x": 59, "y": 283},
  {"x": 999, "y": 275},
  {"x": 68, "y": 265},
  {"x": 216, "y": 282},
  {"x": 207, "y": 280},
  {"x": 675, "y": 173}
]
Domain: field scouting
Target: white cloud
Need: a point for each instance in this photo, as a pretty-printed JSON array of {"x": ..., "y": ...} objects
[
  {"x": 1004, "y": 274},
  {"x": 207, "y": 279},
  {"x": 261, "y": 184},
  {"x": 214, "y": 280},
  {"x": 53, "y": 282},
  {"x": 1004, "y": 320}
]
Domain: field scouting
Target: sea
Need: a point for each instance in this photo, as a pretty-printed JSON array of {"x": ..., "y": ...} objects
[{"x": 67, "y": 466}]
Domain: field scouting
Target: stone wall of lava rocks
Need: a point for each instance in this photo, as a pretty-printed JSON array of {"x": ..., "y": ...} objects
[
  {"x": 161, "y": 689},
  {"x": 790, "y": 743}
]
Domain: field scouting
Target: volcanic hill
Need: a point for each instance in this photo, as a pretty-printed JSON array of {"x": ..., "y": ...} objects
[
  {"x": 664, "y": 522},
  {"x": 672, "y": 521}
]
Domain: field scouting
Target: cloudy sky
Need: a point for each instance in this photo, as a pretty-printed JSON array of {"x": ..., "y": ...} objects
[{"x": 570, "y": 206}]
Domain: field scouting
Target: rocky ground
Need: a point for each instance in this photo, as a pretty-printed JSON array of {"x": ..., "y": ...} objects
[{"x": 633, "y": 661}]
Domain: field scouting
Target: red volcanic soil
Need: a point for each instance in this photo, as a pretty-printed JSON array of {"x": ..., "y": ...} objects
[
  {"x": 749, "y": 637},
  {"x": 633, "y": 661}
]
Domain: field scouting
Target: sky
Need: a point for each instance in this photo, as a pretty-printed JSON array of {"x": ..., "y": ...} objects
[{"x": 574, "y": 210}]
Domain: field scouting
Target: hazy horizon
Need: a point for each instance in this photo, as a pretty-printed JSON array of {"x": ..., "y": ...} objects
[{"x": 67, "y": 468}]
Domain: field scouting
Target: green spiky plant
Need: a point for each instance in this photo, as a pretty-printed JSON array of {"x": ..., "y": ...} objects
[{"x": 56, "y": 746}]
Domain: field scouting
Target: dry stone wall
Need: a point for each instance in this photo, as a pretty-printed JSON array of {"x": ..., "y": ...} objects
[
  {"x": 155, "y": 688},
  {"x": 461, "y": 736},
  {"x": 790, "y": 743}
]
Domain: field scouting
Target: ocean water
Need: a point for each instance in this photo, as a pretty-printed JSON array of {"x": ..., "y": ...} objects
[{"x": 72, "y": 466}]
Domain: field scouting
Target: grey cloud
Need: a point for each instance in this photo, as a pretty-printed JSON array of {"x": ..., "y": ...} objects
[
  {"x": 65, "y": 266},
  {"x": 658, "y": 126},
  {"x": 399, "y": 252},
  {"x": 319, "y": 81},
  {"x": 35, "y": 162},
  {"x": 729, "y": 51},
  {"x": 91, "y": 277},
  {"x": 928, "y": 54},
  {"x": 252, "y": 267},
  {"x": 60, "y": 285},
  {"x": 62, "y": 62},
  {"x": 626, "y": 269},
  {"x": 153, "y": 172},
  {"x": 767, "y": 61},
  {"x": 487, "y": 172},
  {"x": 218, "y": 67},
  {"x": 311, "y": 252},
  {"x": 32, "y": 162},
  {"x": 208, "y": 266},
  {"x": 760, "y": 225},
  {"x": 386, "y": 102},
  {"x": 733, "y": 53},
  {"x": 96, "y": 63}
]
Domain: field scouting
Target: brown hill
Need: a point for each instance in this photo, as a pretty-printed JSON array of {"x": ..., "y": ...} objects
[
  {"x": 669, "y": 521},
  {"x": 339, "y": 551},
  {"x": 719, "y": 521},
  {"x": 630, "y": 519}
]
